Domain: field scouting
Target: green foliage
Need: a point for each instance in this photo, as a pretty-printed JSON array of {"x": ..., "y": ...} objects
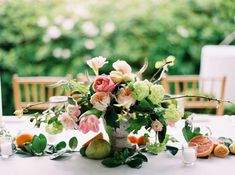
[
  {"x": 73, "y": 143},
  {"x": 37, "y": 147},
  {"x": 36, "y": 39},
  {"x": 189, "y": 132},
  {"x": 126, "y": 156}
]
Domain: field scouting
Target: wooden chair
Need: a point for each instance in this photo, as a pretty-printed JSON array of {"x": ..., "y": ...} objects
[
  {"x": 196, "y": 85},
  {"x": 33, "y": 90}
]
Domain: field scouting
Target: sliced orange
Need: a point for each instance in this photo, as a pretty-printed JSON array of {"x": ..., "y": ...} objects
[
  {"x": 98, "y": 136},
  {"x": 23, "y": 138},
  {"x": 205, "y": 145},
  {"x": 142, "y": 140},
  {"x": 133, "y": 139}
]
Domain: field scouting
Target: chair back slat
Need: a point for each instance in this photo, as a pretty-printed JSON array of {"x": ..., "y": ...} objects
[
  {"x": 43, "y": 92},
  {"x": 27, "y": 93},
  {"x": 195, "y": 85},
  {"x": 31, "y": 90}
]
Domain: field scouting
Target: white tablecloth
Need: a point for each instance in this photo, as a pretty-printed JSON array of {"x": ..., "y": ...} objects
[{"x": 164, "y": 163}]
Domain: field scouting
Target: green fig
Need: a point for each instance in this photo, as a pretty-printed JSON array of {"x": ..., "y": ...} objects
[{"x": 98, "y": 149}]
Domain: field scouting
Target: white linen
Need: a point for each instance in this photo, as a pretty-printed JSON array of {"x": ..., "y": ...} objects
[
  {"x": 164, "y": 163},
  {"x": 217, "y": 61}
]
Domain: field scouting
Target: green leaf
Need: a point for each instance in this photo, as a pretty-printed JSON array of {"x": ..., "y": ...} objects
[
  {"x": 51, "y": 120},
  {"x": 162, "y": 134},
  {"x": 138, "y": 123},
  {"x": 173, "y": 150},
  {"x": 43, "y": 142},
  {"x": 73, "y": 143},
  {"x": 111, "y": 117},
  {"x": 28, "y": 148},
  {"x": 83, "y": 151},
  {"x": 61, "y": 145},
  {"x": 135, "y": 163},
  {"x": 51, "y": 149},
  {"x": 71, "y": 101},
  {"x": 126, "y": 153},
  {"x": 141, "y": 156},
  {"x": 111, "y": 162}
]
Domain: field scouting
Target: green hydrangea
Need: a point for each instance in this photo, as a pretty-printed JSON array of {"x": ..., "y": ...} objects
[
  {"x": 157, "y": 93},
  {"x": 141, "y": 89},
  {"x": 172, "y": 114}
]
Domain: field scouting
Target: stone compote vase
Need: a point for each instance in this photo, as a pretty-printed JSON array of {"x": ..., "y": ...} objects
[{"x": 119, "y": 137}]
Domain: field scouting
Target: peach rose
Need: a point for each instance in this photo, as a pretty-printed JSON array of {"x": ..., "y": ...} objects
[
  {"x": 125, "y": 98},
  {"x": 103, "y": 84},
  {"x": 100, "y": 100}
]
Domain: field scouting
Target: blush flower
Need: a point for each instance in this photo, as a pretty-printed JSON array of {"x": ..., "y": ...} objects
[
  {"x": 125, "y": 98},
  {"x": 122, "y": 72},
  {"x": 96, "y": 63},
  {"x": 89, "y": 123},
  {"x": 73, "y": 110},
  {"x": 100, "y": 100},
  {"x": 67, "y": 121},
  {"x": 122, "y": 66},
  {"x": 103, "y": 84},
  {"x": 157, "y": 125}
]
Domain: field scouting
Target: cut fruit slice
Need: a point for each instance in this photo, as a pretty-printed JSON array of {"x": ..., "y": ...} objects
[
  {"x": 221, "y": 151},
  {"x": 133, "y": 139},
  {"x": 143, "y": 141},
  {"x": 98, "y": 136},
  {"x": 205, "y": 145}
]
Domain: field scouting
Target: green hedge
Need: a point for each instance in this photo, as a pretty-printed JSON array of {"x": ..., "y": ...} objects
[{"x": 55, "y": 37}]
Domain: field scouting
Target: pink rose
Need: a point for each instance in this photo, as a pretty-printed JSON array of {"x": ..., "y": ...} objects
[
  {"x": 157, "y": 125},
  {"x": 67, "y": 121},
  {"x": 103, "y": 84},
  {"x": 96, "y": 63},
  {"x": 100, "y": 100},
  {"x": 89, "y": 123}
]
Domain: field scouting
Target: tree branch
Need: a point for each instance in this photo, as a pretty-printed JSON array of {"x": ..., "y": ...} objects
[{"x": 199, "y": 96}]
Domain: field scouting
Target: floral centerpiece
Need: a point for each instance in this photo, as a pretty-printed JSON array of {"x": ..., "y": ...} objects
[{"x": 123, "y": 101}]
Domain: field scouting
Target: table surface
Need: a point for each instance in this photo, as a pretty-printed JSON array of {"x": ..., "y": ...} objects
[{"x": 164, "y": 163}]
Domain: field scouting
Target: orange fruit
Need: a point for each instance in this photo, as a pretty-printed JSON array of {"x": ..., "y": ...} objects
[
  {"x": 221, "y": 151},
  {"x": 205, "y": 145},
  {"x": 142, "y": 140},
  {"x": 133, "y": 139},
  {"x": 23, "y": 138},
  {"x": 98, "y": 136}
]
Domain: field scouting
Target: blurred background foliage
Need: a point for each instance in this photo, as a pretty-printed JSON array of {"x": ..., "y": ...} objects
[{"x": 56, "y": 37}]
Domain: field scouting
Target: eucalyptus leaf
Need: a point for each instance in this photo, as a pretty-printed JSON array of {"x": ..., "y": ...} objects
[
  {"x": 173, "y": 150},
  {"x": 135, "y": 163},
  {"x": 141, "y": 156},
  {"x": 111, "y": 162},
  {"x": 61, "y": 145},
  {"x": 73, "y": 143},
  {"x": 71, "y": 101}
]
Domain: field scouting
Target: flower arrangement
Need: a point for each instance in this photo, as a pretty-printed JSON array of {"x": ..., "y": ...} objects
[{"x": 124, "y": 101}]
